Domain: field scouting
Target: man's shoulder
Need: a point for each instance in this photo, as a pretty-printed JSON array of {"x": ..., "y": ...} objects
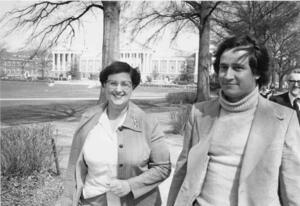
[
  {"x": 282, "y": 99},
  {"x": 206, "y": 106},
  {"x": 282, "y": 96}
]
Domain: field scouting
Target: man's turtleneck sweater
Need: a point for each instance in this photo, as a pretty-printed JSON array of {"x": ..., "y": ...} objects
[{"x": 229, "y": 138}]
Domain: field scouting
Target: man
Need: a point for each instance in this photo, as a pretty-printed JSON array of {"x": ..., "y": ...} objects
[
  {"x": 292, "y": 97},
  {"x": 239, "y": 149}
]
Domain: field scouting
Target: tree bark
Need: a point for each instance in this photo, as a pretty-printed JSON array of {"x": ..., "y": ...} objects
[
  {"x": 111, "y": 46},
  {"x": 203, "y": 91}
]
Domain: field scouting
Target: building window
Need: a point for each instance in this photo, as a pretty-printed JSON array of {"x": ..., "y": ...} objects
[
  {"x": 163, "y": 66},
  {"x": 181, "y": 66},
  {"x": 90, "y": 66},
  {"x": 154, "y": 65},
  {"x": 172, "y": 66}
]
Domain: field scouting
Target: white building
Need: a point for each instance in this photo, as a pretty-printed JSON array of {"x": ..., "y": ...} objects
[
  {"x": 79, "y": 64},
  {"x": 156, "y": 65},
  {"x": 63, "y": 61}
]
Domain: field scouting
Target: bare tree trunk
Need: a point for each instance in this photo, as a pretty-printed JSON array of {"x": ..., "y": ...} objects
[
  {"x": 111, "y": 47},
  {"x": 280, "y": 81},
  {"x": 203, "y": 92}
]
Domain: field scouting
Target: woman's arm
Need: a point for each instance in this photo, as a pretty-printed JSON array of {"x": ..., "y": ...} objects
[{"x": 159, "y": 162}]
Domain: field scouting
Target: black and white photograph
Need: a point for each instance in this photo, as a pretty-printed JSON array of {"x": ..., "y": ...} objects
[{"x": 149, "y": 103}]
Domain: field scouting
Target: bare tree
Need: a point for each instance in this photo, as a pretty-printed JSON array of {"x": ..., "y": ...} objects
[
  {"x": 178, "y": 16},
  {"x": 49, "y": 22},
  {"x": 272, "y": 22}
]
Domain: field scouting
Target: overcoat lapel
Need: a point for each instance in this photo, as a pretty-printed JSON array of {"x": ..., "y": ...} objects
[
  {"x": 206, "y": 121},
  {"x": 198, "y": 155},
  {"x": 262, "y": 131},
  {"x": 88, "y": 122}
]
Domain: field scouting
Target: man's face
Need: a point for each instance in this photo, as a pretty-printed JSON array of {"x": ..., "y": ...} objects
[
  {"x": 294, "y": 84},
  {"x": 235, "y": 75}
]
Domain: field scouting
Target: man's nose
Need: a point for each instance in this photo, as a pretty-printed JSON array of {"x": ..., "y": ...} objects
[{"x": 229, "y": 73}]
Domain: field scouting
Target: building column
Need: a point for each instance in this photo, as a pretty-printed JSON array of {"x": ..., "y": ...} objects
[
  {"x": 53, "y": 61},
  {"x": 58, "y": 62}
]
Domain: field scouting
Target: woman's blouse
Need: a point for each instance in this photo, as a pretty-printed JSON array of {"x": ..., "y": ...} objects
[{"x": 100, "y": 152}]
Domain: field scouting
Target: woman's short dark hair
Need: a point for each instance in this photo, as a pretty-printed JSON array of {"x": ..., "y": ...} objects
[
  {"x": 258, "y": 55},
  {"x": 120, "y": 67}
]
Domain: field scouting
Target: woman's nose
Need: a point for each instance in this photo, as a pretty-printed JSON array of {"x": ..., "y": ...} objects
[{"x": 119, "y": 87}]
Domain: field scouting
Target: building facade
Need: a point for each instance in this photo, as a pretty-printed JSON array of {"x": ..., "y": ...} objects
[
  {"x": 153, "y": 65},
  {"x": 16, "y": 66},
  {"x": 75, "y": 64}
]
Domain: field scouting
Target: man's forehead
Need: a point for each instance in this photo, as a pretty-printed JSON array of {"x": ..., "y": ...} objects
[{"x": 294, "y": 76}]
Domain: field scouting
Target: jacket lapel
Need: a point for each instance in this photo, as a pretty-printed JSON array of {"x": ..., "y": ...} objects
[
  {"x": 262, "y": 132},
  {"x": 88, "y": 121},
  {"x": 133, "y": 120},
  {"x": 198, "y": 158},
  {"x": 206, "y": 121}
]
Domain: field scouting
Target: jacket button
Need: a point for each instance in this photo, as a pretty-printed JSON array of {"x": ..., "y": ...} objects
[
  {"x": 121, "y": 146},
  {"x": 120, "y": 128},
  {"x": 120, "y": 165}
]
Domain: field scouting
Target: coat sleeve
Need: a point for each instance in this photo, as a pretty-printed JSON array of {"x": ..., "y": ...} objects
[
  {"x": 69, "y": 179},
  {"x": 290, "y": 167},
  {"x": 181, "y": 164},
  {"x": 159, "y": 163}
]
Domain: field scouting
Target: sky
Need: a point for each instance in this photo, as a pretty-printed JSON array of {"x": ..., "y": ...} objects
[{"x": 89, "y": 38}]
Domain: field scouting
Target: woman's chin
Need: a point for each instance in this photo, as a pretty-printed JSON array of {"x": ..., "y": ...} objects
[{"x": 119, "y": 103}]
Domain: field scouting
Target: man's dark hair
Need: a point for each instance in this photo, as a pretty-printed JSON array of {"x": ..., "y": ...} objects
[
  {"x": 257, "y": 53},
  {"x": 120, "y": 67}
]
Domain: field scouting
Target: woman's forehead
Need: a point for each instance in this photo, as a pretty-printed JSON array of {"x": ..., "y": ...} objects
[{"x": 119, "y": 76}]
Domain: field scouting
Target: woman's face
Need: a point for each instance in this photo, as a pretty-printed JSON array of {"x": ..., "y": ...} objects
[
  {"x": 118, "y": 89},
  {"x": 235, "y": 75}
]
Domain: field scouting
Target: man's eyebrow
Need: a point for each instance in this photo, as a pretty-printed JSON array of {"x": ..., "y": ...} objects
[{"x": 237, "y": 64}]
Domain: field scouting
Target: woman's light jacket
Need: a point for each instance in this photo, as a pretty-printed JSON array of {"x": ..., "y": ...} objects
[{"x": 143, "y": 157}]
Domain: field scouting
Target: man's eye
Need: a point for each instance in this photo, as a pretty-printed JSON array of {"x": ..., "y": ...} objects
[{"x": 237, "y": 68}]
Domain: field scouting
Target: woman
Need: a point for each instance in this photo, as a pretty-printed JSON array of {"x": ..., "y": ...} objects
[
  {"x": 240, "y": 148},
  {"x": 118, "y": 155}
]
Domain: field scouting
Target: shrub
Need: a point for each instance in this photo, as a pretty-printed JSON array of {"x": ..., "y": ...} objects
[
  {"x": 25, "y": 149},
  {"x": 181, "y": 97},
  {"x": 179, "y": 119}
]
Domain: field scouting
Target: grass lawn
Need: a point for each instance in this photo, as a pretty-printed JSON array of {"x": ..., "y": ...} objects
[{"x": 22, "y": 89}]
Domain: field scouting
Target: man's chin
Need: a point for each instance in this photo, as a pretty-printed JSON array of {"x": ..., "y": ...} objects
[{"x": 295, "y": 92}]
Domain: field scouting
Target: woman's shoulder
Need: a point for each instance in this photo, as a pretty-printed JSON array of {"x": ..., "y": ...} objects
[
  {"x": 140, "y": 114},
  {"x": 90, "y": 111}
]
